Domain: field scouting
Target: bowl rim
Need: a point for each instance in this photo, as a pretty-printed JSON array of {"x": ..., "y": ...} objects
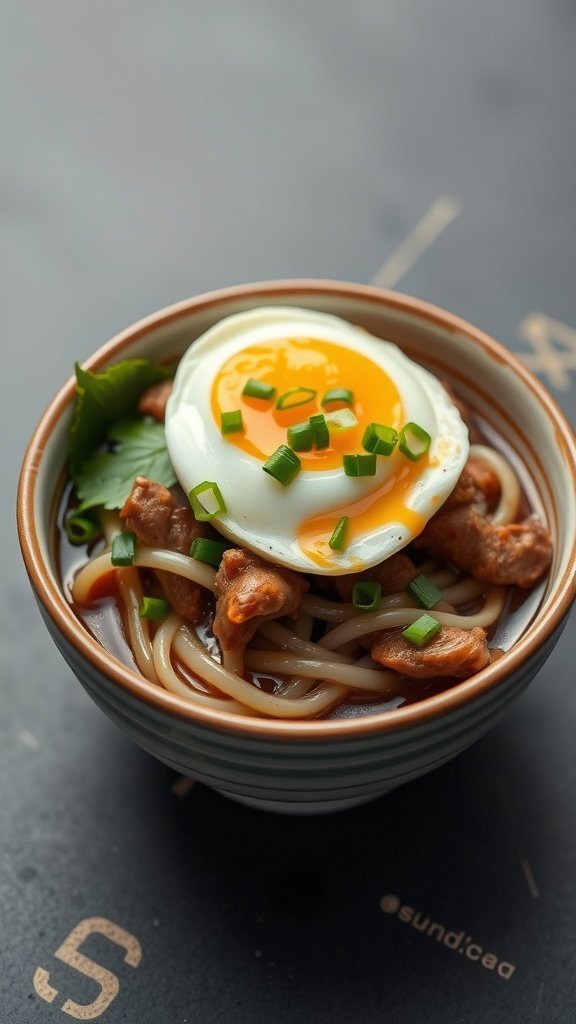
[{"x": 133, "y": 684}]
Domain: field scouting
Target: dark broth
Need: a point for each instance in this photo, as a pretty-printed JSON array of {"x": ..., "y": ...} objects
[{"x": 104, "y": 621}]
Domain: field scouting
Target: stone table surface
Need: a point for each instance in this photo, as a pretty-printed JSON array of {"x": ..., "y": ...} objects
[{"x": 150, "y": 152}]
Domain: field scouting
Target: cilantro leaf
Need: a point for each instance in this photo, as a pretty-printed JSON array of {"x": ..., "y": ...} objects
[
  {"x": 106, "y": 478},
  {"x": 102, "y": 398}
]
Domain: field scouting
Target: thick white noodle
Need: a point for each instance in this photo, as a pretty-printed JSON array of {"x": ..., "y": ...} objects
[
  {"x": 170, "y": 679},
  {"x": 303, "y": 626},
  {"x": 442, "y": 578},
  {"x": 181, "y": 565},
  {"x": 233, "y": 661},
  {"x": 130, "y": 590},
  {"x": 315, "y": 668},
  {"x": 467, "y": 589},
  {"x": 190, "y": 651},
  {"x": 509, "y": 505},
  {"x": 146, "y": 558},
  {"x": 339, "y": 611},
  {"x": 111, "y": 525},
  {"x": 297, "y": 686},
  {"x": 369, "y": 622},
  {"x": 286, "y": 641},
  {"x": 319, "y": 675},
  {"x": 329, "y": 611}
]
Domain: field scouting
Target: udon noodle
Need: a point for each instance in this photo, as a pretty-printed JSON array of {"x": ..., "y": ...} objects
[
  {"x": 276, "y": 548},
  {"x": 303, "y": 668}
]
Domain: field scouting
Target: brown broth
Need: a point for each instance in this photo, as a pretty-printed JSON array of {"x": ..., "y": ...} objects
[{"x": 104, "y": 621}]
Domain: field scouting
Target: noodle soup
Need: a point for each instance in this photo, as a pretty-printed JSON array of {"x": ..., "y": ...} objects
[
  {"x": 350, "y": 752},
  {"x": 352, "y": 596}
]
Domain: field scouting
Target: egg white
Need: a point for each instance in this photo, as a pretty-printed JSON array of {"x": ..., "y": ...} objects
[{"x": 263, "y": 516}]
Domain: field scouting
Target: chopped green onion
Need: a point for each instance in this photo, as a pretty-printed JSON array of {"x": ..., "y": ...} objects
[
  {"x": 424, "y": 591},
  {"x": 283, "y": 465},
  {"x": 320, "y": 431},
  {"x": 414, "y": 441},
  {"x": 338, "y": 539},
  {"x": 338, "y": 395},
  {"x": 340, "y": 419},
  {"x": 359, "y": 465},
  {"x": 366, "y": 595},
  {"x": 301, "y": 437},
  {"x": 258, "y": 389},
  {"x": 123, "y": 549},
  {"x": 154, "y": 608},
  {"x": 206, "y": 501},
  {"x": 231, "y": 422},
  {"x": 207, "y": 550},
  {"x": 294, "y": 397},
  {"x": 421, "y": 631},
  {"x": 379, "y": 439},
  {"x": 81, "y": 529}
]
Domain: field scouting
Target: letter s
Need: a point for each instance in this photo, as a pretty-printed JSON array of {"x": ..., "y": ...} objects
[
  {"x": 406, "y": 914},
  {"x": 108, "y": 982}
]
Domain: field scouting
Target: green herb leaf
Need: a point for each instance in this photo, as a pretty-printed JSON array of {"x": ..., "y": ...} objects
[
  {"x": 106, "y": 479},
  {"x": 102, "y": 398}
]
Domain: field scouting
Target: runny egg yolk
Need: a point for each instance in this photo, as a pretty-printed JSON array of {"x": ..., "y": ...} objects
[
  {"x": 388, "y": 503},
  {"x": 288, "y": 513},
  {"x": 320, "y": 365},
  {"x": 287, "y": 363}
]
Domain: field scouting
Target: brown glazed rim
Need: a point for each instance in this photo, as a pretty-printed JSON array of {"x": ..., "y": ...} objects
[{"x": 155, "y": 696}]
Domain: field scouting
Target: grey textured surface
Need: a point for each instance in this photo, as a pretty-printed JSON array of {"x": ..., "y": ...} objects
[{"x": 152, "y": 151}]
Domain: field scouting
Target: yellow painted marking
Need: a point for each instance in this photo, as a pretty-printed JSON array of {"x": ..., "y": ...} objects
[
  {"x": 425, "y": 232},
  {"x": 554, "y": 345},
  {"x": 69, "y": 953}
]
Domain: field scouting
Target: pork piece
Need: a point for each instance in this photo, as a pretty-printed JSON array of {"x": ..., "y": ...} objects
[
  {"x": 394, "y": 575},
  {"x": 518, "y": 553},
  {"x": 453, "y": 652},
  {"x": 151, "y": 511},
  {"x": 485, "y": 480},
  {"x": 248, "y": 592},
  {"x": 153, "y": 400}
]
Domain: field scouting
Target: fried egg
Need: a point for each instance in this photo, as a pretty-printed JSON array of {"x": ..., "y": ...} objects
[{"x": 303, "y": 354}]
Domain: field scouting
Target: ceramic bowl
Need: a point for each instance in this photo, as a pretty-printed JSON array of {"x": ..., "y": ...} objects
[{"x": 316, "y": 766}]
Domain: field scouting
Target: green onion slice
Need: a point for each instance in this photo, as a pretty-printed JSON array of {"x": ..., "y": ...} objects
[
  {"x": 320, "y": 431},
  {"x": 123, "y": 549},
  {"x": 154, "y": 608},
  {"x": 206, "y": 501},
  {"x": 295, "y": 397},
  {"x": 301, "y": 437},
  {"x": 366, "y": 595},
  {"x": 421, "y": 631},
  {"x": 359, "y": 465},
  {"x": 414, "y": 441},
  {"x": 424, "y": 591},
  {"x": 207, "y": 550},
  {"x": 338, "y": 395},
  {"x": 338, "y": 539},
  {"x": 340, "y": 419},
  {"x": 81, "y": 529},
  {"x": 258, "y": 389},
  {"x": 284, "y": 465},
  {"x": 380, "y": 439},
  {"x": 231, "y": 422}
]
